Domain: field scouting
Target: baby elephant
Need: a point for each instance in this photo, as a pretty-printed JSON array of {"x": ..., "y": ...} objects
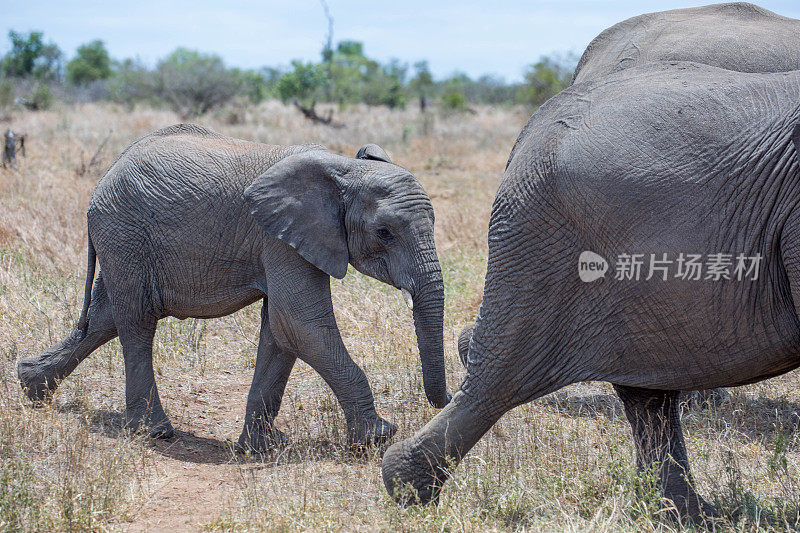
[{"x": 190, "y": 223}]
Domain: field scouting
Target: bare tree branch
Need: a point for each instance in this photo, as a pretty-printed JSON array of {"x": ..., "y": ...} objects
[
  {"x": 87, "y": 167},
  {"x": 327, "y": 52}
]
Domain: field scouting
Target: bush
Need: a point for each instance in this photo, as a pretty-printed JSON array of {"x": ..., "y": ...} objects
[
  {"x": 394, "y": 97},
  {"x": 193, "y": 83},
  {"x": 454, "y": 100},
  {"x": 356, "y": 78},
  {"x": 131, "y": 83},
  {"x": 40, "y": 98}
]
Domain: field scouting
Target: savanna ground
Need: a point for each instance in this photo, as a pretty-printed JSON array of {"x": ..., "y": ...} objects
[{"x": 563, "y": 462}]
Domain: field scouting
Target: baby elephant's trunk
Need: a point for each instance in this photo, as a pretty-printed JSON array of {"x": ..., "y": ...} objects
[{"x": 428, "y": 304}]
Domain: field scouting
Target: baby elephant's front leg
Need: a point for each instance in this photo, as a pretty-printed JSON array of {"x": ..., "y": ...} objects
[
  {"x": 302, "y": 323},
  {"x": 330, "y": 359}
]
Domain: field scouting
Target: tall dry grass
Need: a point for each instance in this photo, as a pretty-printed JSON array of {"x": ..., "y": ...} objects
[{"x": 560, "y": 463}]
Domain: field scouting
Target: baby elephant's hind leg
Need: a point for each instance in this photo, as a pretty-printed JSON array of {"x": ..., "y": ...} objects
[
  {"x": 273, "y": 367},
  {"x": 143, "y": 410},
  {"x": 657, "y": 435},
  {"x": 41, "y": 374}
]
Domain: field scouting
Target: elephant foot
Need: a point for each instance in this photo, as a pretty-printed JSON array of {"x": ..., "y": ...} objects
[
  {"x": 162, "y": 431},
  {"x": 35, "y": 381},
  {"x": 261, "y": 440},
  {"x": 367, "y": 433},
  {"x": 155, "y": 424},
  {"x": 693, "y": 507},
  {"x": 702, "y": 399},
  {"x": 410, "y": 477}
]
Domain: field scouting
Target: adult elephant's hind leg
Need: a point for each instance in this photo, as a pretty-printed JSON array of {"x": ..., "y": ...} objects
[
  {"x": 41, "y": 374},
  {"x": 143, "y": 410},
  {"x": 657, "y": 435},
  {"x": 273, "y": 367}
]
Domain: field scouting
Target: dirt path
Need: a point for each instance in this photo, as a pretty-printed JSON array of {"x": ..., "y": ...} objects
[
  {"x": 186, "y": 496},
  {"x": 195, "y": 476}
]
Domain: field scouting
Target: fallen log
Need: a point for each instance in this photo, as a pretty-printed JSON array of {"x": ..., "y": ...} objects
[{"x": 311, "y": 114}]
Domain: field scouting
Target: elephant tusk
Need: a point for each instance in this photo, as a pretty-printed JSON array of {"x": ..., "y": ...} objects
[{"x": 408, "y": 298}]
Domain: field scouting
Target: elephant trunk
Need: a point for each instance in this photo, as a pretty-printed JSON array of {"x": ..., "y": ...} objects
[
  {"x": 428, "y": 304},
  {"x": 415, "y": 469}
]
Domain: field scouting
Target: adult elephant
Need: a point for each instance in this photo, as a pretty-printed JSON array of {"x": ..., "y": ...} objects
[
  {"x": 190, "y": 223},
  {"x": 735, "y": 36},
  {"x": 668, "y": 159}
]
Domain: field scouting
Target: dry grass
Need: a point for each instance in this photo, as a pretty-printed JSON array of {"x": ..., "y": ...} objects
[{"x": 561, "y": 463}]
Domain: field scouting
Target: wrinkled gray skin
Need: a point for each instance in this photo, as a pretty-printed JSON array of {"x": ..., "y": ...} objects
[
  {"x": 664, "y": 158},
  {"x": 190, "y": 223},
  {"x": 734, "y": 36}
]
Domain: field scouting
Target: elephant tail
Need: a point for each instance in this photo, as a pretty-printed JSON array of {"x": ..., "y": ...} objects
[{"x": 87, "y": 294}]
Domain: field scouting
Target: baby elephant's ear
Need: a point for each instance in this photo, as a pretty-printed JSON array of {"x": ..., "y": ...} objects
[
  {"x": 299, "y": 201},
  {"x": 374, "y": 152}
]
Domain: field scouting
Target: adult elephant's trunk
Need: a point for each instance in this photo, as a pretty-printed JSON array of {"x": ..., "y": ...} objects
[{"x": 428, "y": 303}]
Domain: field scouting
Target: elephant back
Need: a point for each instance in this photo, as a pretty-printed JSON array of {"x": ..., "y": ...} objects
[{"x": 735, "y": 36}]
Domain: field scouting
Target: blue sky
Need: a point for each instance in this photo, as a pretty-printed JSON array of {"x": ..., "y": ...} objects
[{"x": 496, "y": 37}]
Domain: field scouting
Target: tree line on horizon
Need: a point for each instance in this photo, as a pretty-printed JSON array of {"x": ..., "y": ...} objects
[{"x": 192, "y": 83}]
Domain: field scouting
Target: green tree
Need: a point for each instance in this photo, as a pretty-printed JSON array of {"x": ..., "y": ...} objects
[
  {"x": 357, "y": 78},
  {"x": 193, "y": 83},
  {"x": 350, "y": 70},
  {"x": 544, "y": 79},
  {"x": 29, "y": 56},
  {"x": 304, "y": 82},
  {"x": 90, "y": 64}
]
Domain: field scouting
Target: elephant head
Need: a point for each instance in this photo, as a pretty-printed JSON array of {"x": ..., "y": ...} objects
[{"x": 334, "y": 210}]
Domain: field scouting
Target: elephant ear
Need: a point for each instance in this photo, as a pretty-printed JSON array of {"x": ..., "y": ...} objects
[
  {"x": 373, "y": 152},
  {"x": 299, "y": 201}
]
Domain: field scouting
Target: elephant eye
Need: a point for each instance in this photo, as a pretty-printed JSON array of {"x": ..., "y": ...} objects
[{"x": 384, "y": 234}]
